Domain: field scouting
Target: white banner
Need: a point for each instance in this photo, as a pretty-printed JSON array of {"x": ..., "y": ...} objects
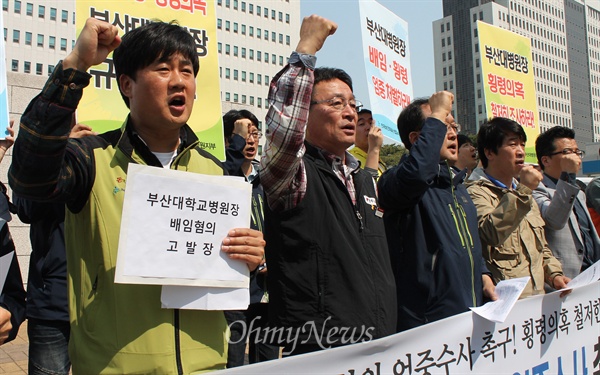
[
  {"x": 387, "y": 64},
  {"x": 542, "y": 335}
]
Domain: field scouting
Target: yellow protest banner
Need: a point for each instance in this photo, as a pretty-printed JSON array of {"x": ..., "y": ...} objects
[
  {"x": 102, "y": 106},
  {"x": 508, "y": 80}
]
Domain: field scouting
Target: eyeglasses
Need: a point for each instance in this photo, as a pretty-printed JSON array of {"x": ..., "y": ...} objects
[
  {"x": 340, "y": 103},
  {"x": 255, "y": 135},
  {"x": 567, "y": 151},
  {"x": 454, "y": 126}
]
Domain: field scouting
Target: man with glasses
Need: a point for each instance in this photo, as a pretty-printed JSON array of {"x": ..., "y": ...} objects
[
  {"x": 431, "y": 223},
  {"x": 569, "y": 228},
  {"x": 510, "y": 225},
  {"x": 330, "y": 280}
]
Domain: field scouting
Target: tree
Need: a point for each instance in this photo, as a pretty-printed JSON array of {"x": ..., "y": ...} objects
[{"x": 391, "y": 154}]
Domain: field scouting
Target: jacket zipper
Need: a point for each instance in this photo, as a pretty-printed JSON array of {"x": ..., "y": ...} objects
[
  {"x": 466, "y": 238},
  {"x": 177, "y": 342}
]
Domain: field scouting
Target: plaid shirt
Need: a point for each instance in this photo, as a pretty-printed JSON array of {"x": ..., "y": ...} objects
[{"x": 283, "y": 174}]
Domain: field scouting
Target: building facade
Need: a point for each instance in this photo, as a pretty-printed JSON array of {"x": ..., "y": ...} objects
[{"x": 564, "y": 42}]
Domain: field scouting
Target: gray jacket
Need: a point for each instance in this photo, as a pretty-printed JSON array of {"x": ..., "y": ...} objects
[{"x": 562, "y": 226}]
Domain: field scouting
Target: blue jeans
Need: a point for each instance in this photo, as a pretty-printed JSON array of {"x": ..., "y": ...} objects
[{"x": 48, "y": 347}]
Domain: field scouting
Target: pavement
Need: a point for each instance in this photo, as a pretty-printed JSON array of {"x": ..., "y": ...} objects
[{"x": 14, "y": 355}]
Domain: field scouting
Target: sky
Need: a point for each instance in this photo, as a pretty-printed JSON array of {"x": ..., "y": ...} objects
[{"x": 339, "y": 48}]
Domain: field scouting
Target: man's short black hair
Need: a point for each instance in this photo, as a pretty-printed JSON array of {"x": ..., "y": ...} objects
[
  {"x": 232, "y": 116},
  {"x": 154, "y": 41},
  {"x": 364, "y": 110},
  {"x": 492, "y": 134},
  {"x": 544, "y": 144},
  {"x": 462, "y": 139},
  {"x": 324, "y": 74},
  {"x": 411, "y": 119}
]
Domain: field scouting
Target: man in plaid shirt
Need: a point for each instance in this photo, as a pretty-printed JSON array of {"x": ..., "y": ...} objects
[{"x": 330, "y": 279}]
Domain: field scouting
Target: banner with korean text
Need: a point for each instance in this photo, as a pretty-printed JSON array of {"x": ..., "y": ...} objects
[
  {"x": 544, "y": 334},
  {"x": 102, "y": 106},
  {"x": 387, "y": 65},
  {"x": 508, "y": 80}
]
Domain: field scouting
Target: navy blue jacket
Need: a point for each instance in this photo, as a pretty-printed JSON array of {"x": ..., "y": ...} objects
[
  {"x": 431, "y": 228},
  {"x": 47, "y": 280},
  {"x": 12, "y": 297}
]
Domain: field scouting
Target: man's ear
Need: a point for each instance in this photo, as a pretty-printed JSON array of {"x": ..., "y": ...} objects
[
  {"x": 413, "y": 136},
  {"x": 545, "y": 161},
  {"x": 489, "y": 154},
  {"x": 125, "y": 83}
]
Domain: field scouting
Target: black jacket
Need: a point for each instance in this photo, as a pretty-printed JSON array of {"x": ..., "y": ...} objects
[
  {"x": 431, "y": 227},
  {"x": 328, "y": 260},
  {"x": 47, "y": 280}
]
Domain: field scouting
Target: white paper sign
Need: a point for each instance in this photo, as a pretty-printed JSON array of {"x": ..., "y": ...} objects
[
  {"x": 198, "y": 298},
  {"x": 586, "y": 277},
  {"x": 173, "y": 224},
  {"x": 508, "y": 292},
  {"x": 5, "y": 262}
]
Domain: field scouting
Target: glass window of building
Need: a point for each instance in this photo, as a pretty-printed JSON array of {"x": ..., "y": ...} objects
[
  {"x": 235, "y": 50},
  {"x": 235, "y": 27},
  {"x": 445, "y": 83},
  {"x": 243, "y": 52},
  {"x": 5, "y": 5},
  {"x": 243, "y": 99},
  {"x": 27, "y": 67},
  {"x": 273, "y": 14},
  {"x": 235, "y": 4},
  {"x": 251, "y": 54},
  {"x": 273, "y": 59},
  {"x": 258, "y": 10},
  {"x": 235, "y": 74},
  {"x": 280, "y": 15},
  {"x": 227, "y": 97},
  {"x": 227, "y": 49},
  {"x": 251, "y": 100},
  {"x": 235, "y": 98},
  {"x": 18, "y": 6},
  {"x": 266, "y": 12},
  {"x": 63, "y": 44},
  {"x": 243, "y": 76},
  {"x": 219, "y": 23},
  {"x": 281, "y": 60},
  {"x": 258, "y": 55},
  {"x": 259, "y": 102},
  {"x": 29, "y": 9},
  {"x": 39, "y": 68},
  {"x": 243, "y": 29},
  {"x": 16, "y": 36},
  {"x": 15, "y": 65},
  {"x": 227, "y": 3},
  {"x": 287, "y": 40},
  {"x": 53, "y": 14},
  {"x": 227, "y": 73},
  {"x": 219, "y": 2},
  {"x": 266, "y": 83},
  {"x": 287, "y": 18},
  {"x": 280, "y": 38},
  {"x": 258, "y": 34},
  {"x": 266, "y": 57},
  {"x": 251, "y": 30},
  {"x": 259, "y": 79},
  {"x": 40, "y": 40},
  {"x": 273, "y": 36},
  {"x": 266, "y": 34},
  {"x": 28, "y": 38},
  {"x": 64, "y": 16},
  {"x": 50, "y": 69},
  {"x": 52, "y": 42},
  {"x": 5, "y": 32},
  {"x": 219, "y": 47},
  {"x": 251, "y": 77},
  {"x": 227, "y": 25},
  {"x": 251, "y": 8},
  {"x": 243, "y": 6}
]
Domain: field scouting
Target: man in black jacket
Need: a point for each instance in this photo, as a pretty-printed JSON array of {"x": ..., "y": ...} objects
[{"x": 431, "y": 222}]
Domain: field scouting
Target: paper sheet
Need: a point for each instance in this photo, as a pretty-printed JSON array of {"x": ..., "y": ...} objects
[{"x": 508, "y": 292}]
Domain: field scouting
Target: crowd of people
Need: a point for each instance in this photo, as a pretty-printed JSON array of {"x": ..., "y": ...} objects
[{"x": 356, "y": 250}]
